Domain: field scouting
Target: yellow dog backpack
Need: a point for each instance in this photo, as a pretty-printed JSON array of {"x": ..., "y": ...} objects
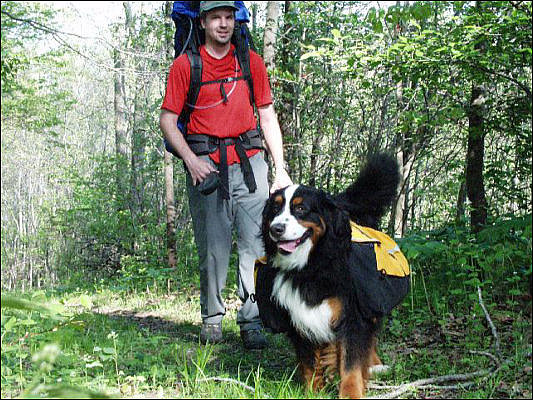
[{"x": 379, "y": 270}]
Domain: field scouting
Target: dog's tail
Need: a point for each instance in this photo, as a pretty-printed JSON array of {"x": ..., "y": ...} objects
[{"x": 367, "y": 199}]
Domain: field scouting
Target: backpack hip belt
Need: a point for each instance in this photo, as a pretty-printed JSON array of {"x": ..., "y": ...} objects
[{"x": 205, "y": 144}]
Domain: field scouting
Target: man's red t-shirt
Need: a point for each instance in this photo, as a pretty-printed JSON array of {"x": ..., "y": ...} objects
[{"x": 212, "y": 116}]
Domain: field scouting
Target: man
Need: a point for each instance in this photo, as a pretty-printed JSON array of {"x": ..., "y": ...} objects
[{"x": 222, "y": 113}]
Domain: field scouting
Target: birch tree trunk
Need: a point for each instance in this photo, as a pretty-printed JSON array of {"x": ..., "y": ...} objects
[
  {"x": 398, "y": 211},
  {"x": 169, "y": 162},
  {"x": 270, "y": 35},
  {"x": 119, "y": 105},
  {"x": 288, "y": 95}
]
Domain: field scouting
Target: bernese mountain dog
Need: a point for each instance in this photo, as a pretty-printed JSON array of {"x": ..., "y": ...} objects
[{"x": 318, "y": 286}]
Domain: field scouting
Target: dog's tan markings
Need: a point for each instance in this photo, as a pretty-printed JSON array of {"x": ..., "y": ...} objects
[
  {"x": 278, "y": 199},
  {"x": 336, "y": 310},
  {"x": 322, "y": 225},
  {"x": 374, "y": 358},
  {"x": 297, "y": 200},
  {"x": 318, "y": 230},
  {"x": 329, "y": 361},
  {"x": 313, "y": 374},
  {"x": 353, "y": 379}
]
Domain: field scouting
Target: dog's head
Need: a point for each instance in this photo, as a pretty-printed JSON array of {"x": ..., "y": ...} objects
[{"x": 297, "y": 220}]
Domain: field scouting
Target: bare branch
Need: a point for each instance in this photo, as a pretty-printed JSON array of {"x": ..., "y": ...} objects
[
  {"x": 489, "y": 320},
  {"x": 421, "y": 383}
]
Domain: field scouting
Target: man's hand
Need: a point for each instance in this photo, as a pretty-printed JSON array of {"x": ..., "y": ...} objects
[
  {"x": 198, "y": 168},
  {"x": 281, "y": 180}
]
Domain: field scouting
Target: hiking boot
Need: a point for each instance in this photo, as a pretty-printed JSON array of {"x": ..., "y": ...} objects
[
  {"x": 211, "y": 333},
  {"x": 253, "y": 339}
]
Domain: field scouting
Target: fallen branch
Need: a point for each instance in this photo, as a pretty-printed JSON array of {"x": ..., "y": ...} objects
[
  {"x": 489, "y": 320},
  {"x": 432, "y": 383},
  {"x": 374, "y": 386},
  {"x": 496, "y": 360},
  {"x": 421, "y": 383}
]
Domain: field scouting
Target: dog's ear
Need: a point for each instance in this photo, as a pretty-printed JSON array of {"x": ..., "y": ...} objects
[
  {"x": 337, "y": 221},
  {"x": 270, "y": 246}
]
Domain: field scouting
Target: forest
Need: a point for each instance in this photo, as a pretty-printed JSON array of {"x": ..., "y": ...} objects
[{"x": 100, "y": 282}]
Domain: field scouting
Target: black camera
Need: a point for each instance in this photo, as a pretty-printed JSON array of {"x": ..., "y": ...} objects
[{"x": 209, "y": 184}]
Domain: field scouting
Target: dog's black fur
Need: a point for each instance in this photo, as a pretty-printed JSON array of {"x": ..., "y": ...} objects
[{"x": 321, "y": 275}]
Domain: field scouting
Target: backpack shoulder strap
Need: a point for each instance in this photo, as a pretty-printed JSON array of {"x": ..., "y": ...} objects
[
  {"x": 195, "y": 62},
  {"x": 242, "y": 49}
]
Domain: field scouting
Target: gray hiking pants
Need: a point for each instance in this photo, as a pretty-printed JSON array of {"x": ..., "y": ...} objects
[{"x": 213, "y": 222}]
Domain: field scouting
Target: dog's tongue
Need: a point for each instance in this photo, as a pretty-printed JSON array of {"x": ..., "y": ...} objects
[{"x": 288, "y": 246}]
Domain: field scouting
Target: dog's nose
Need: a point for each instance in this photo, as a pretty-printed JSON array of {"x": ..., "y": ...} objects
[{"x": 277, "y": 229}]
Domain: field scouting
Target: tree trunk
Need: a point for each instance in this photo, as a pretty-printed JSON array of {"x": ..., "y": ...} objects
[
  {"x": 270, "y": 35},
  {"x": 398, "y": 210},
  {"x": 120, "y": 108},
  {"x": 169, "y": 162},
  {"x": 138, "y": 150},
  {"x": 461, "y": 200},
  {"x": 121, "y": 130},
  {"x": 288, "y": 94},
  {"x": 253, "y": 8},
  {"x": 475, "y": 155}
]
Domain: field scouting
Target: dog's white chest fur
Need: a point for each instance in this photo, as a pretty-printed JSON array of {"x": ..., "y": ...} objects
[{"x": 311, "y": 322}]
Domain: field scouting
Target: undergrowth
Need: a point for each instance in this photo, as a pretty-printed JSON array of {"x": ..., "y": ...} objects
[{"x": 131, "y": 338}]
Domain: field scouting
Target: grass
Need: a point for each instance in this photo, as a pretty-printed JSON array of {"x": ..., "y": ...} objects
[{"x": 145, "y": 344}]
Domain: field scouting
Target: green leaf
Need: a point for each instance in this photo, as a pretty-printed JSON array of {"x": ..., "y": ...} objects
[
  {"x": 377, "y": 26},
  {"x": 108, "y": 350},
  {"x": 64, "y": 392},
  {"x": 94, "y": 364},
  {"x": 9, "y": 301},
  {"x": 311, "y": 54},
  {"x": 86, "y": 301},
  {"x": 10, "y": 324}
]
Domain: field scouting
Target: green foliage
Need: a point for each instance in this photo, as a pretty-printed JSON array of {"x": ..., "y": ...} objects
[
  {"x": 342, "y": 61},
  {"x": 35, "y": 101},
  {"x": 498, "y": 259},
  {"x": 108, "y": 239},
  {"x": 340, "y": 66},
  {"x": 137, "y": 344},
  {"x": 408, "y": 72},
  {"x": 28, "y": 321}
]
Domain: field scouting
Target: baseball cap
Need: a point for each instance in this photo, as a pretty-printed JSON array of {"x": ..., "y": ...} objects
[{"x": 210, "y": 5}]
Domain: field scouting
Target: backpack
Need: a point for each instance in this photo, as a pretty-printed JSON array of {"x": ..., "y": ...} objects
[
  {"x": 379, "y": 270},
  {"x": 189, "y": 36}
]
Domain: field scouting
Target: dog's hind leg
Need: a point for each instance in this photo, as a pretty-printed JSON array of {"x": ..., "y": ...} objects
[
  {"x": 375, "y": 363},
  {"x": 313, "y": 372},
  {"x": 353, "y": 369},
  {"x": 329, "y": 360}
]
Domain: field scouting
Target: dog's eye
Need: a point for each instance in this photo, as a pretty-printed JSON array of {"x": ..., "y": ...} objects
[
  {"x": 299, "y": 209},
  {"x": 276, "y": 207}
]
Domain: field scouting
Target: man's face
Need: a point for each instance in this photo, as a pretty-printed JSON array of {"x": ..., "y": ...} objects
[{"x": 218, "y": 25}]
